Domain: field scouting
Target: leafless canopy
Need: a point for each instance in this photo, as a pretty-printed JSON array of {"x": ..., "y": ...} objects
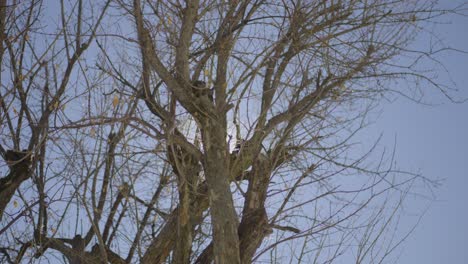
[{"x": 148, "y": 131}]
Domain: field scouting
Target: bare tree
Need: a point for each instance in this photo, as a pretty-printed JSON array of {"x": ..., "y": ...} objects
[{"x": 202, "y": 131}]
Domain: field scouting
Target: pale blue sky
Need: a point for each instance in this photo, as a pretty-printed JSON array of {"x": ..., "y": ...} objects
[{"x": 434, "y": 141}]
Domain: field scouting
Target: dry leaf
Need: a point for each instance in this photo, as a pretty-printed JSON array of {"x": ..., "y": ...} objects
[
  {"x": 335, "y": 95},
  {"x": 15, "y": 111},
  {"x": 54, "y": 106},
  {"x": 26, "y": 37},
  {"x": 15, "y": 203},
  {"x": 342, "y": 87},
  {"x": 92, "y": 132},
  {"x": 115, "y": 101}
]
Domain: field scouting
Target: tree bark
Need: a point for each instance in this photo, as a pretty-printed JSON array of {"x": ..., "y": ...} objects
[
  {"x": 223, "y": 215},
  {"x": 187, "y": 169},
  {"x": 254, "y": 225}
]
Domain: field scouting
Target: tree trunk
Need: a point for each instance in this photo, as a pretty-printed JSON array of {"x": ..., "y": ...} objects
[
  {"x": 254, "y": 225},
  {"x": 223, "y": 215},
  {"x": 187, "y": 170}
]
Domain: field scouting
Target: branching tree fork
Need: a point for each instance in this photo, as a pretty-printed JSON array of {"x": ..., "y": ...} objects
[{"x": 145, "y": 131}]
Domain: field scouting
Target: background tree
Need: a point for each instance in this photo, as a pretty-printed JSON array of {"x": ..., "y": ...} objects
[{"x": 162, "y": 131}]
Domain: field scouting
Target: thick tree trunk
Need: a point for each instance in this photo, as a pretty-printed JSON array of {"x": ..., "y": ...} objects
[
  {"x": 184, "y": 228},
  {"x": 161, "y": 247},
  {"x": 187, "y": 170},
  {"x": 254, "y": 225},
  {"x": 223, "y": 215}
]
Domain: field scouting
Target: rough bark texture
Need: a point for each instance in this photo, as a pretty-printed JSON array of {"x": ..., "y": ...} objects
[
  {"x": 161, "y": 247},
  {"x": 165, "y": 242},
  {"x": 223, "y": 215},
  {"x": 254, "y": 225},
  {"x": 187, "y": 170}
]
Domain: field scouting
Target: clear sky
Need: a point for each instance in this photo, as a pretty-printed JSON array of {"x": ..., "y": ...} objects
[{"x": 434, "y": 141}]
